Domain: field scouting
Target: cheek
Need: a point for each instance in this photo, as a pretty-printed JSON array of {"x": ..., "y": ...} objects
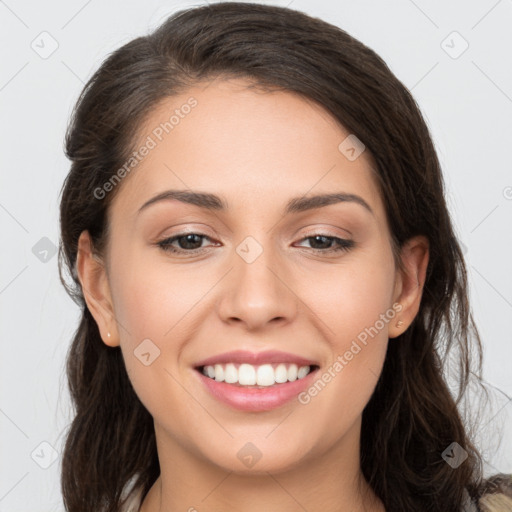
[
  {"x": 160, "y": 307},
  {"x": 354, "y": 302},
  {"x": 155, "y": 307},
  {"x": 352, "y": 296},
  {"x": 358, "y": 345},
  {"x": 154, "y": 299}
]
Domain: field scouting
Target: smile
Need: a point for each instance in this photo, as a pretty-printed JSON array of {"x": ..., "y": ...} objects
[{"x": 263, "y": 375}]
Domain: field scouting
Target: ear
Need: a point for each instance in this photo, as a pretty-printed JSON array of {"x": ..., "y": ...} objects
[
  {"x": 409, "y": 282},
  {"x": 96, "y": 289}
]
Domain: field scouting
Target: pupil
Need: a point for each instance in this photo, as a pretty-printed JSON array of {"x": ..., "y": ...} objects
[
  {"x": 316, "y": 238},
  {"x": 189, "y": 239}
]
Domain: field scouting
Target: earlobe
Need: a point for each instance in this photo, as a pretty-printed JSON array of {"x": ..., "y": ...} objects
[
  {"x": 410, "y": 282},
  {"x": 96, "y": 290}
]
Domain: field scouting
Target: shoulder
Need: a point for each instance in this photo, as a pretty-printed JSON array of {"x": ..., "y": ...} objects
[
  {"x": 133, "y": 502},
  {"x": 496, "y": 494},
  {"x": 132, "y": 496}
]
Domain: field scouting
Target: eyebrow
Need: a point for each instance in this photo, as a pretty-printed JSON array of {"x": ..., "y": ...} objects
[{"x": 296, "y": 205}]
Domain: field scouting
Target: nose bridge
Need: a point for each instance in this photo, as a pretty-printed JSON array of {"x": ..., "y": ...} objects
[
  {"x": 253, "y": 261},
  {"x": 257, "y": 293}
]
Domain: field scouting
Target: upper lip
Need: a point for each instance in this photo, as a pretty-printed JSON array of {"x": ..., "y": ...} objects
[{"x": 256, "y": 358}]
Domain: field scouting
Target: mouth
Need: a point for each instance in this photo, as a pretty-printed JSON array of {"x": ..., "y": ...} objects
[
  {"x": 256, "y": 382},
  {"x": 245, "y": 375}
]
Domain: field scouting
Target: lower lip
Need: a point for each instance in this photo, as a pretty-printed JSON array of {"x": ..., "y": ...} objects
[{"x": 256, "y": 399}]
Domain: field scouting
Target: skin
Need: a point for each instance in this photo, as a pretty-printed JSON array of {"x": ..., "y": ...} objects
[{"x": 256, "y": 150}]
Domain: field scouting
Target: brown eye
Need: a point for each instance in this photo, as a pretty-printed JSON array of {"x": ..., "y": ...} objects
[
  {"x": 186, "y": 242},
  {"x": 324, "y": 243}
]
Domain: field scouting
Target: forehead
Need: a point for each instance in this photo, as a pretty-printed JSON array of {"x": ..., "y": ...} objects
[{"x": 247, "y": 145}]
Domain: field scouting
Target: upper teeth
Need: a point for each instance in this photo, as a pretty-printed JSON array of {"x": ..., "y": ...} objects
[{"x": 249, "y": 375}]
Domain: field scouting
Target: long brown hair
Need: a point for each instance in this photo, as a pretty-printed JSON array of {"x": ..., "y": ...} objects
[{"x": 412, "y": 416}]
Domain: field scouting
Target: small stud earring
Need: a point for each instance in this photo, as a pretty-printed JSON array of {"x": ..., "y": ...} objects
[
  {"x": 108, "y": 334},
  {"x": 399, "y": 323}
]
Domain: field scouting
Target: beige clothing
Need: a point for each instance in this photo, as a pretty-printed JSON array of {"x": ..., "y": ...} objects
[{"x": 134, "y": 500}]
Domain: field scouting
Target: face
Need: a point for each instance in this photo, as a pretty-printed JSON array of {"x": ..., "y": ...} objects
[{"x": 253, "y": 266}]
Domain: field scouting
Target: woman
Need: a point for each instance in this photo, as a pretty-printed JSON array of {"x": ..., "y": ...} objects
[{"x": 256, "y": 232}]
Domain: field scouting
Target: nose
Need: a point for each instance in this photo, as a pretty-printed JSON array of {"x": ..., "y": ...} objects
[{"x": 257, "y": 293}]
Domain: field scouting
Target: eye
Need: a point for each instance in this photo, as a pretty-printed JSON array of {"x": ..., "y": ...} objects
[
  {"x": 326, "y": 243},
  {"x": 187, "y": 242},
  {"x": 191, "y": 243}
]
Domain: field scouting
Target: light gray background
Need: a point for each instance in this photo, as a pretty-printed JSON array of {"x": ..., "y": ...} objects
[{"x": 466, "y": 100}]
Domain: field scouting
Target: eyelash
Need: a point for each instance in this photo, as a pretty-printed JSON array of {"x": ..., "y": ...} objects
[{"x": 343, "y": 245}]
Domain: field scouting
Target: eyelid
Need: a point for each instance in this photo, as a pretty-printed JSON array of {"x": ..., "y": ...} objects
[
  {"x": 188, "y": 229},
  {"x": 324, "y": 229}
]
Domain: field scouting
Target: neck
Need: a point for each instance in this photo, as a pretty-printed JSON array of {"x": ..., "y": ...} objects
[{"x": 329, "y": 482}]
